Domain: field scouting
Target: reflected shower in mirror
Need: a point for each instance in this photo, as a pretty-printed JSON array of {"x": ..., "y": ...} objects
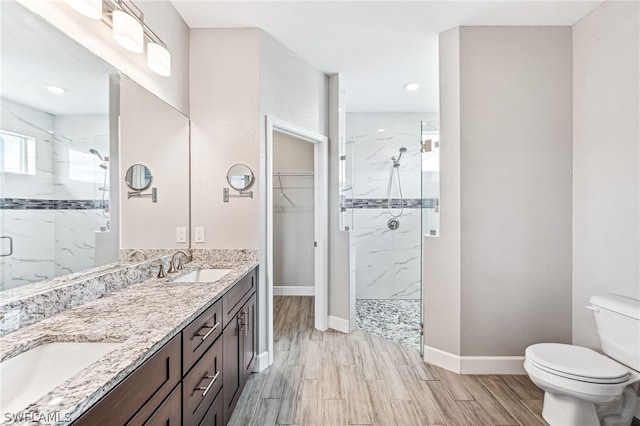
[{"x": 54, "y": 152}]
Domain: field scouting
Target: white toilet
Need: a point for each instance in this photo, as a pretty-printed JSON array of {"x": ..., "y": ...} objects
[{"x": 583, "y": 387}]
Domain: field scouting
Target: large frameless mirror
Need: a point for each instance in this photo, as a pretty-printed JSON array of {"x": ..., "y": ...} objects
[{"x": 66, "y": 120}]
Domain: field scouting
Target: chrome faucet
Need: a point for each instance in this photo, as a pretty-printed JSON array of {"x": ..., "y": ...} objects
[
  {"x": 173, "y": 267},
  {"x": 137, "y": 251}
]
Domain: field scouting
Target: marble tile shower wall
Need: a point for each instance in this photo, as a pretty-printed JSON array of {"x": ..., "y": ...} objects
[
  {"x": 387, "y": 262},
  {"x": 52, "y": 218}
]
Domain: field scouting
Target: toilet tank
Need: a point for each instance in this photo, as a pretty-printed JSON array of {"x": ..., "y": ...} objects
[{"x": 618, "y": 323}]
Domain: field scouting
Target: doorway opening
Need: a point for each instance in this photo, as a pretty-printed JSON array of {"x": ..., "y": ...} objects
[{"x": 295, "y": 248}]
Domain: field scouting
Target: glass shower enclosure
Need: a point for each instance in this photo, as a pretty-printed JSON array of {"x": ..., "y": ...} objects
[{"x": 384, "y": 206}]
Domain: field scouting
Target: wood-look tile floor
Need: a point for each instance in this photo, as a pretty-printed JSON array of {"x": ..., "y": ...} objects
[{"x": 330, "y": 378}]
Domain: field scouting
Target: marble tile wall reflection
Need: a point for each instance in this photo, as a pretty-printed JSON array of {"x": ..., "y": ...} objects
[{"x": 54, "y": 236}]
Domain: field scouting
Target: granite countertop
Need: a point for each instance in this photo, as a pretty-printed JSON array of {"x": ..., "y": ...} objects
[{"x": 142, "y": 317}]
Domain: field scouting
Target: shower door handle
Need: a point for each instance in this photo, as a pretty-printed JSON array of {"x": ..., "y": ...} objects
[{"x": 10, "y": 247}]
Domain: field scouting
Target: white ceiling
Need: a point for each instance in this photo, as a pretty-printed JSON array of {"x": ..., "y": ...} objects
[
  {"x": 377, "y": 46},
  {"x": 33, "y": 55}
]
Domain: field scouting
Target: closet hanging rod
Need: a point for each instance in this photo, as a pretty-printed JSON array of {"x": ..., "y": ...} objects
[{"x": 309, "y": 174}]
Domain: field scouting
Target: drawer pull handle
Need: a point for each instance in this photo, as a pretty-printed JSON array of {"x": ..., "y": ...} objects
[
  {"x": 243, "y": 324},
  {"x": 206, "y": 389},
  {"x": 208, "y": 333}
]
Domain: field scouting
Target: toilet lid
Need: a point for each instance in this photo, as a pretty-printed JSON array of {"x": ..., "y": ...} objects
[{"x": 577, "y": 362}]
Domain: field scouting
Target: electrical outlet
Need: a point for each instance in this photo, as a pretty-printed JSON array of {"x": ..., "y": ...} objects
[
  {"x": 199, "y": 237},
  {"x": 181, "y": 234}
]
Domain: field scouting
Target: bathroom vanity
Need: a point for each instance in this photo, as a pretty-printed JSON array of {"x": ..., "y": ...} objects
[{"x": 186, "y": 351}]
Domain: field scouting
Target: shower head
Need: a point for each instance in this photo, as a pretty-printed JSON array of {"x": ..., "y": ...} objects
[
  {"x": 396, "y": 161},
  {"x": 95, "y": 152}
]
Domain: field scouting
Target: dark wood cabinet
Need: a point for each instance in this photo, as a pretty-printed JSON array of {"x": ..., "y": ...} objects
[
  {"x": 240, "y": 353},
  {"x": 168, "y": 414},
  {"x": 250, "y": 337},
  {"x": 141, "y": 393},
  {"x": 197, "y": 377}
]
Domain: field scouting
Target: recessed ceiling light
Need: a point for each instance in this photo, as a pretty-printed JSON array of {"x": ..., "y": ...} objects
[
  {"x": 411, "y": 86},
  {"x": 381, "y": 130},
  {"x": 56, "y": 89},
  {"x": 50, "y": 132}
]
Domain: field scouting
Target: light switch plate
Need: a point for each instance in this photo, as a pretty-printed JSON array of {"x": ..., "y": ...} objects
[
  {"x": 199, "y": 237},
  {"x": 181, "y": 234}
]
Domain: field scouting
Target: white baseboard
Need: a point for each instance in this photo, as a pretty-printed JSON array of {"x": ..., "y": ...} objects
[
  {"x": 339, "y": 324},
  {"x": 262, "y": 362},
  {"x": 474, "y": 364},
  {"x": 293, "y": 290}
]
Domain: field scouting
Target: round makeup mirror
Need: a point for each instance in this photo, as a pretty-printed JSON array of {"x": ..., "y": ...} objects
[
  {"x": 138, "y": 177},
  {"x": 240, "y": 177}
]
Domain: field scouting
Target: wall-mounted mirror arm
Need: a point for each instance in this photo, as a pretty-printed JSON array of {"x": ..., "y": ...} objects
[
  {"x": 241, "y": 194},
  {"x": 140, "y": 194}
]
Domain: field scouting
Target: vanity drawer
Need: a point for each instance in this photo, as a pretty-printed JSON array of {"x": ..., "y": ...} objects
[
  {"x": 201, "y": 385},
  {"x": 235, "y": 298},
  {"x": 168, "y": 414},
  {"x": 144, "y": 389},
  {"x": 200, "y": 334},
  {"x": 215, "y": 415}
]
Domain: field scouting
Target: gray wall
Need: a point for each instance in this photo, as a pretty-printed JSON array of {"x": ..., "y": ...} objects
[
  {"x": 238, "y": 76},
  {"x": 510, "y": 170},
  {"x": 442, "y": 255},
  {"x": 293, "y": 225},
  {"x": 516, "y": 142},
  {"x": 225, "y": 103},
  {"x": 342, "y": 295},
  {"x": 606, "y": 160}
]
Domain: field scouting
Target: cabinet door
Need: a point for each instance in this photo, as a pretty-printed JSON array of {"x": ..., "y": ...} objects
[
  {"x": 250, "y": 336},
  {"x": 232, "y": 371},
  {"x": 168, "y": 414},
  {"x": 215, "y": 415}
]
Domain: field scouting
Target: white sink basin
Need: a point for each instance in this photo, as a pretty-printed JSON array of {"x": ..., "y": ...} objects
[
  {"x": 29, "y": 376},
  {"x": 203, "y": 276}
]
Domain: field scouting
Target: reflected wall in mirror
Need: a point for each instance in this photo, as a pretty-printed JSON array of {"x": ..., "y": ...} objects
[
  {"x": 138, "y": 177},
  {"x": 154, "y": 134},
  {"x": 240, "y": 177},
  {"x": 54, "y": 151}
]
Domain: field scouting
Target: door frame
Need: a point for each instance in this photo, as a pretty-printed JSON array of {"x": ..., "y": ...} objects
[{"x": 321, "y": 221}]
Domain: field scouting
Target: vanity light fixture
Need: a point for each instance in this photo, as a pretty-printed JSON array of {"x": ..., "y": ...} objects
[
  {"x": 159, "y": 59},
  {"x": 90, "y": 8},
  {"x": 411, "y": 86},
  {"x": 129, "y": 30}
]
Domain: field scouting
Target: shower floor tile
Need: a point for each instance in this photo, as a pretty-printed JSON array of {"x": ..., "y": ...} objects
[{"x": 396, "y": 320}]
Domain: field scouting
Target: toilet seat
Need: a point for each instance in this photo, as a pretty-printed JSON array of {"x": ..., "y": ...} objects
[{"x": 576, "y": 363}]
